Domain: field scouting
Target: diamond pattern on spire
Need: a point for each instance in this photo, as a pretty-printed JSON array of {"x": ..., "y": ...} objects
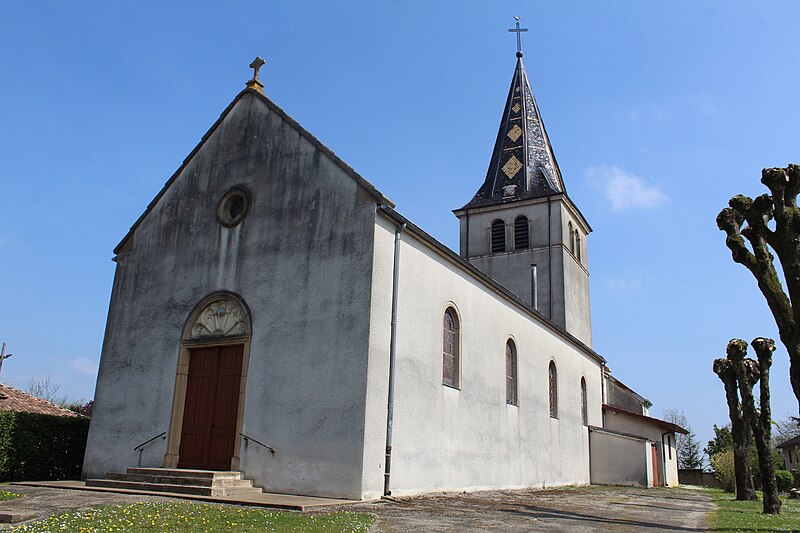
[
  {"x": 514, "y": 132},
  {"x": 512, "y": 166},
  {"x": 523, "y": 164}
]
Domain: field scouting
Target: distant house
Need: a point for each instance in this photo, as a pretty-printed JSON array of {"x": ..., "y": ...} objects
[
  {"x": 12, "y": 399},
  {"x": 790, "y": 450}
]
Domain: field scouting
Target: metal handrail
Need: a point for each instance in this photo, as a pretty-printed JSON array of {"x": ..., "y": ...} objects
[
  {"x": 246, "y": 438},
  {"x": 148, "y": 441}
]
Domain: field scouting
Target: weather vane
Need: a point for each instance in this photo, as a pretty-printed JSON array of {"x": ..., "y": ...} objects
[{"x": 518, "y": 30}]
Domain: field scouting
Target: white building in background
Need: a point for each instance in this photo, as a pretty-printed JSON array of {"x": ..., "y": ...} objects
[{"x": 271, "y": 295}]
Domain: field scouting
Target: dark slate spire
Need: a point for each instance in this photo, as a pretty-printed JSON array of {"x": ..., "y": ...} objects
[{"x": 523, "y": 164}]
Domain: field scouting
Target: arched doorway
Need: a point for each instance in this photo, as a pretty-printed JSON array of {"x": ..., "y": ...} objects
[{"x": 208, "y": 405}]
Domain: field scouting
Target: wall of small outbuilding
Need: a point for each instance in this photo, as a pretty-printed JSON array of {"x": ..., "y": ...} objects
[{"x": 667, "y": 455}]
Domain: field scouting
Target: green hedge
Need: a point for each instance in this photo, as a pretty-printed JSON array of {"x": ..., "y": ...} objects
[
  {"x": 784, "y": 479},
  {"x": 37, "y": 447}
]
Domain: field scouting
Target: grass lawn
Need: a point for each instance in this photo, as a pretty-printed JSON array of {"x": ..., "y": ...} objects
[
  {"x": 746, "y": 516},
  {"x": 8, "y": 495},
  {"x": 196, "y": 517}
]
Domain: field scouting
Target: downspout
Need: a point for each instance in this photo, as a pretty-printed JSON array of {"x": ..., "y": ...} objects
[
  {"x": 392, "y": 360},
  {"x": 603, "y": 383},
  {"x": 603, "y": 393},
  {"x": 466, "y": 247}
]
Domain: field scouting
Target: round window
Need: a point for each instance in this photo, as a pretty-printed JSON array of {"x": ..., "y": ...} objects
[{"x": 234, "y": 206}]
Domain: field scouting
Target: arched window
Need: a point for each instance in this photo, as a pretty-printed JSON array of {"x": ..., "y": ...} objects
[
  {"x": 584, "y": 407},
  {"x": 450, "y": 343},
  {"x": 578, "y": 245},
  {"x": 571, "y": 238},
  {"x": 511, "y": 373},
  {"x": 553, "y": 390},
  {"x": 521, "y": 240},
  {"x": 498, "y": 236}
]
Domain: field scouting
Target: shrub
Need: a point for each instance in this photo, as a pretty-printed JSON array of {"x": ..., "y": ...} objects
[
  {"x": 41, "y": 447},
  {"x": 785, "y": 480},
  {"x": 722, "y": 464}
]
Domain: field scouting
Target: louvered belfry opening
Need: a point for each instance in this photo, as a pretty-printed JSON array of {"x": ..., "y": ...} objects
[
  {"x": 521, "y": 241},
  {"x": 498, "y": 236}
]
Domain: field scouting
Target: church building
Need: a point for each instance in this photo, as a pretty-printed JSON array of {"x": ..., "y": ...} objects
[{"x": 274, "y": 315}]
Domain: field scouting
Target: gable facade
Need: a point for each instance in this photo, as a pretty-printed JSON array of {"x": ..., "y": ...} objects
[{"x": 300, "y": 263}]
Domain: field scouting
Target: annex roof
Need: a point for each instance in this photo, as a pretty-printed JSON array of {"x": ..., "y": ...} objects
[
  {"x": 639, "y": 397},
  {"x": 12, "y": 399},
  {"x": 655, "y": 421}
]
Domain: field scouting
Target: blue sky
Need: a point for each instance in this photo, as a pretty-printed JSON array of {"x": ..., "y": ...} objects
[{"x": 658, "y": 113}]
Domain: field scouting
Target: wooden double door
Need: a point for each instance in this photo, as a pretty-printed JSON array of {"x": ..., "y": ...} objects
[{"x": 208, "y": 435}]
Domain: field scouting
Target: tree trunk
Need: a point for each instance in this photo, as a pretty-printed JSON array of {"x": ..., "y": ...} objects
[
  {"x": 762, "y": 424},
  {"x": 740, "y": 431}
]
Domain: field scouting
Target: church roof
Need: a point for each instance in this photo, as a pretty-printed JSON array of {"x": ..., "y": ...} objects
[
  {"x": 523, "y": 165},
  {"x": 488, "y": 281}
]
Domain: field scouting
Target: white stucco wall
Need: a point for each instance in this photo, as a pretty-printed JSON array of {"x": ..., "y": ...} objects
[
  {"x": 469, "y": 438},
  {"x": 619, "y": 459}
]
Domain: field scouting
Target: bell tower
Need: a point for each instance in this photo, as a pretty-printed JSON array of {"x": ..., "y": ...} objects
[{"x": 521, "y": 228}]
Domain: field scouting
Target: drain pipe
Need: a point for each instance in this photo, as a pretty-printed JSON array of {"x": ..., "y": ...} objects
[{"x": 392, "y": 360}]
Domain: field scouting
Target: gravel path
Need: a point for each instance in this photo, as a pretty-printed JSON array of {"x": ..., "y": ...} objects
[{"x": 568, "y": 509}]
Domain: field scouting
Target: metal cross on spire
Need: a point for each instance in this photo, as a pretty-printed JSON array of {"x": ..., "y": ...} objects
[{"x": 518, "y": 30}]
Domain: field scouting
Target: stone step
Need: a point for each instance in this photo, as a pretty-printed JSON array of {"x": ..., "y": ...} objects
[
  {"x": 186, "y": 473},
  {"x": 180, "y": 489},
  {"x": 181, "y": 480}
]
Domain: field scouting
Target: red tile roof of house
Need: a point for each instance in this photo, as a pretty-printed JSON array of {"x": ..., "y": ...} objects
[{"x": 12, "y": 399}]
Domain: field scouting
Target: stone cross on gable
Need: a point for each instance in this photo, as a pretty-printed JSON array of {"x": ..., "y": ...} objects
[{"x": 255, "y": 83}]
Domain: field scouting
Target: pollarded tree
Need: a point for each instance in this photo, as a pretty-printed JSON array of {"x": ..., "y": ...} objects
[
  {"x": 771, "y": 223},
  {"x": 741, "y": 432},
  {"x": 748, "y": 373}
]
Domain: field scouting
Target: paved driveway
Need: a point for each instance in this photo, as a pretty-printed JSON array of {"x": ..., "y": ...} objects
[{"x": 568, "y": 509}]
